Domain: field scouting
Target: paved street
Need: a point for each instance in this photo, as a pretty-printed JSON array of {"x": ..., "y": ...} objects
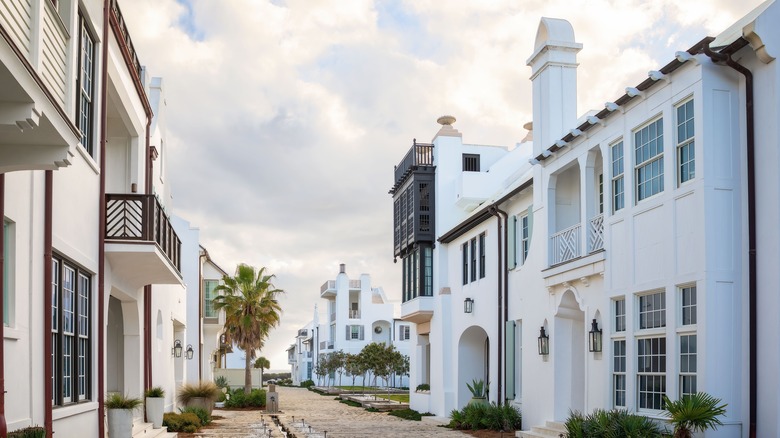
[{"x": 323, "y": 414}]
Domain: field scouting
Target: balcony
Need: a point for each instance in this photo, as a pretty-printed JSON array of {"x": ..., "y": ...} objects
[
  {"x": 302, "y": 333},
  {"x": 36, "y": 132},
  {"x": 418, "y": 310},
  {"x": 326, "y": 345},
  {"x": 567, "y": 245},
  {"x": 328, "y": 289},
  {"x": 474, "y": 188},
  {"x": 419, "y": 156},
  {"x": 354, "y": 314},
  {"x": 354, "y": 284},
  {"x": 141, "y": 244}
]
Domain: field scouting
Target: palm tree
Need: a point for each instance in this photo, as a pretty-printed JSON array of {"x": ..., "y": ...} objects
[
  {"x": 249, "y": 300},
  {"x": 694, "y": 413},
  {"x": 263, "y": 364}
]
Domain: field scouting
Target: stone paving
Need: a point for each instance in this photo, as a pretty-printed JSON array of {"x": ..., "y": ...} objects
[{"x": 323, "y": 413}]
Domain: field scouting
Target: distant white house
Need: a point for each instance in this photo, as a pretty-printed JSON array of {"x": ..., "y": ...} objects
[
  {"x": 611, "y": 259},
  {"x": 356, "y": 315}
]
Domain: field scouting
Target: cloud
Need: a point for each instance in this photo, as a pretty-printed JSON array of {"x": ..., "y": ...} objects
[{"x": 286, "y": 117}]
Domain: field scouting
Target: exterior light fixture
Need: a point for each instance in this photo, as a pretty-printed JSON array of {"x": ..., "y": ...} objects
[
  {"x": 594, "y": 338},
  {"x": 468, "y": 305},
  {"x": 544, "y": 343},
  {"x": 176, "y": 350},
  {"x": 190, "y": 351}
]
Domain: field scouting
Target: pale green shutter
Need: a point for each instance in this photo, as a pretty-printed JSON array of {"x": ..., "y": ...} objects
[
  {"x": 530, "y": 222},
  {"x": 511, "y": 242},
  {"x": 509, "y": 349}
]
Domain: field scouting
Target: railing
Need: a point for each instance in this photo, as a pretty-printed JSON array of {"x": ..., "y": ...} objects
[
  {"x": 303, "y": 332},
  {"x": 565, "y": 245},
  {"x": 354, "y": 314},
  {"x": 326, "y": 345},
  {"x": 596, "y": 233},
  {"x": 421, "y": 154},
  {"x": 133, "y": 62},
  {"x": 332, "y": 316},
  {"x": 330, "y": 284},
  {"x": 142, "y": 218},
  {"x": 354, "y": 284}
]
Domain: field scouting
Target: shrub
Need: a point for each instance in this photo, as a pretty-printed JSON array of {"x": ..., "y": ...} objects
[
  {"x": 28, "y": 432},
  {"x": 351, "y": 403},
  {"x": 486, "y": 416},
  {"x": 221, "y": 381},
  {"x": 407, "y": 414},
  {"x": 307, "y": 383},
  {"x": 423, "y": 387},
  {"x": 239, "y": 399},
  {"x": 181, "y": 422},
  {"x": 203, "y": 389},
  {"x": 201, "y": 413},
  {"x": 608, "y": 424},
  {"x": 119, "y": 401},
  {"x": 155, "y": 391}
]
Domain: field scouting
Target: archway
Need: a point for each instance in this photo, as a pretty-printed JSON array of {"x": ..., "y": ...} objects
[
  {"x": 473, "y": 361},
  {"x": 569, "y": 349}
]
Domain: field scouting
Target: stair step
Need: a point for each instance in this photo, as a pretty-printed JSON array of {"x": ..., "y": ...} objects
[{"x": 550, "y": 429}]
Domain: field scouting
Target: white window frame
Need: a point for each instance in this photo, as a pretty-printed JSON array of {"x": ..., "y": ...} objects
[
  {"x": 9, "y": 262},
  {"x": 647, "y": 164},
  {"x": 687, "y": 356},
  {"x": 652, "y": 310},
  {"x": 685, "y": 143},
  {"x": 404, "y": 333},
  {"x": 619, "y": 309},
  {"x": 619, "y": 362},
  {"x": 525, "y": 237},
  {"x": 659, "y": 373},
  {"x": 689, "y": 291},
  {"x": 618, "y": 175}
]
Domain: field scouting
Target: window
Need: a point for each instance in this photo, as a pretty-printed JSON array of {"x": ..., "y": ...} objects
[
  {"x": 619, "y": 373},
  {"x": 427, "y": 268},
  {"x": 208, "y": 298},
  {"x": 354, "y": 332},
  {"x": 7, "y": 271},
  {"x": 652, "y": 310},
  {"x": 688, "y": 305},
  {"x": 620, "y": 315},
  {"x": 687, "y": 365},
  {"x": 470, "y": 162},
  {"x": 649, "y": 154},
  {"x": 482, "y": 255},
  {"x": 601, "y": 193},
  {"x": 617, "y": 176},
  {"x": 651, "y": 372},
  {"x": 473, "y": 259},
  {"x": 686, "y": 154},
  {"x": 86, "y": 87},
  {"x": 71, "y": 322},
  {"x": 525, "y": 237},
  {"x": 465, "y": 248},
  {"x": 404, "y": 332}
]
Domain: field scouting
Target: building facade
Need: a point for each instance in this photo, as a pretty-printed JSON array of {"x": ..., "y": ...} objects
[{"x": 619, "y": 263}]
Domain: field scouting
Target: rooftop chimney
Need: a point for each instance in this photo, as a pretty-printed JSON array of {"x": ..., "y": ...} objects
[{"x": 342, "y": 268}]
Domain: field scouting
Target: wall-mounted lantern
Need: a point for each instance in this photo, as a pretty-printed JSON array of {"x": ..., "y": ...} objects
[
  {"x": 176, "y": 350},
  {"x": 544, "y": 343},
  {"x": 190, "y": 352},
  {"x": 468, "y": 305},
  {"x": 594, "y": 338}
]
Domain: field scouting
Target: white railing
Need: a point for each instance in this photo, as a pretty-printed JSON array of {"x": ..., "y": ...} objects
[
  {"x": 565, "y": 244},
  {"x": 354, "y": 314},
  {"x": 328, "y": 285},
  {"x": 332, "y": 316},
  {"x": 354, "y": 284},
  {"x": 596, "y": 233}
]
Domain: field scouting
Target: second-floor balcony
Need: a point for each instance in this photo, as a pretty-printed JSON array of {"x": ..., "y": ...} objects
[
  {"x": 328, "y": 289},
  {"x": 354, "y": 314},
  {"x": 568, "y": 244},
  {"x": 141, "y": 244}
]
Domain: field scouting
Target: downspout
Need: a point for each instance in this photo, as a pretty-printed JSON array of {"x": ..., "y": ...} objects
[
  {"x": 102, "y": 227},
  {"x": 200, "y": 314},
  {"x": 148, "y": 287},
  {"x": 3, "y": 426},
  {"x": 720, "y": 58},
  {"x": 499, "y": 214},
  {"x": 47, "y": 281}
]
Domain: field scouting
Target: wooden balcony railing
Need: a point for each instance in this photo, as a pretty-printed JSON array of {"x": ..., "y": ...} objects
[
  {"x": 141, "y": 218},
  {"x": 421, "y": 154}
]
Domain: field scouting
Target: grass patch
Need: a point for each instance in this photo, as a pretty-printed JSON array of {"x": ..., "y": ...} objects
[
  {"x": 352, "y": 403},
  {"x": 407, "y": 414},
  {"x": 401, "y": 398},
  {"x": 372, "y": 409}
]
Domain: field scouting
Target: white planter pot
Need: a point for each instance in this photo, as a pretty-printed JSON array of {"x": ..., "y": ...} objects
[
  {"x": 155, "y": 406},
  {"x": 120, "y": 423}
]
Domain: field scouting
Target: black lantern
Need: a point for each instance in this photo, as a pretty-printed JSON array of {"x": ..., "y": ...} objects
[
  {"x": 176, "y": 350},
  {"x": 190, "y": 351},
  {"x": 468, "y": 305},
  {"x": 544, "y": 343},
  {"x": 594, "y": 338}
]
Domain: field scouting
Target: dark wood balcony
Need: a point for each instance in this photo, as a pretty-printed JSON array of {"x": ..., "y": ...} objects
[
  {"x": 420, "y": 155},
  {"x": 140, "y": 240}
]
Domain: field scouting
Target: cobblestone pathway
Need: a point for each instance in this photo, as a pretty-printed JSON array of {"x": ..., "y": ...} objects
[{"x": 323, "y": 414}]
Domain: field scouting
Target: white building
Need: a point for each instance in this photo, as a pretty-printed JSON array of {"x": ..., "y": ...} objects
[
  {"x": 93, "y": 292},
  {"x": 356, "y": 315},
  {"x": 638, "y": 217}
]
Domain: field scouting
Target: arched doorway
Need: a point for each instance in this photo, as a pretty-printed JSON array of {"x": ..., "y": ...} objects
[
  {"x": 569, "y": 349},
  {"x": 473, "y": 361}
]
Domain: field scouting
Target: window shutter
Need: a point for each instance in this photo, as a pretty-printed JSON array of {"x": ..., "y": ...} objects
[
  {"x": 509, "y": 348},
  {"x": 348, "y": 332},
  {"x": 511, "y": 239},
  {"x": 361, "y": 332},
  {"x": 530, "y": 222}
]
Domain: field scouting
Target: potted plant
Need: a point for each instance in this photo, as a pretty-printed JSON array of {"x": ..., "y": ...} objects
[
  {"x": 694, "y": 413},
  {"x": 477, "y": 388},
  {"x": 155, "y": 406},
  {"x": 120, "y": 414},
  {"x": 200, "y": 395}
]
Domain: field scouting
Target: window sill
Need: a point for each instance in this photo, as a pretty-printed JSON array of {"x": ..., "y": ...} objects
[
  {"x": 75, "y": 409},
  {"x": 88, "y": 158},
  {"x": 11, "y": 334}
]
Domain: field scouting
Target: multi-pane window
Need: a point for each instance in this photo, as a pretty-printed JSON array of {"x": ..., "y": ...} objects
[
  {"x": 620, "y": 315},
  {"x": 427, "y": 268},
  {"x": 86, "y": 87},
  {"x": 355, "y": 332},
  {"x": 651, "y": 372},
  {"x": 482, "y": 255},
  {"x": 618, "y": 201},
  {"x": 619, "y": 373},
  {"x": 473, "y": 250},
  {"x": 404, "y": 333},
  {"x": 71, "y": 322},
  {"x": 686, "y": 155},
  {"x": 649, "y": 159},
  {"x": 470, "y": 162},
  {"x": 465, "y": 248},
  {"x": 208, "y": 298},
  {"x": 525, "y": 237},
  {"x": 652, "y": 310},
  {"x": 688, "y": 295},
  {"x": 687, "y": 365}
]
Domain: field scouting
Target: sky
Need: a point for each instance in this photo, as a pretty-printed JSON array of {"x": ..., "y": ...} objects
[{"x": 286, "y": 117}]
